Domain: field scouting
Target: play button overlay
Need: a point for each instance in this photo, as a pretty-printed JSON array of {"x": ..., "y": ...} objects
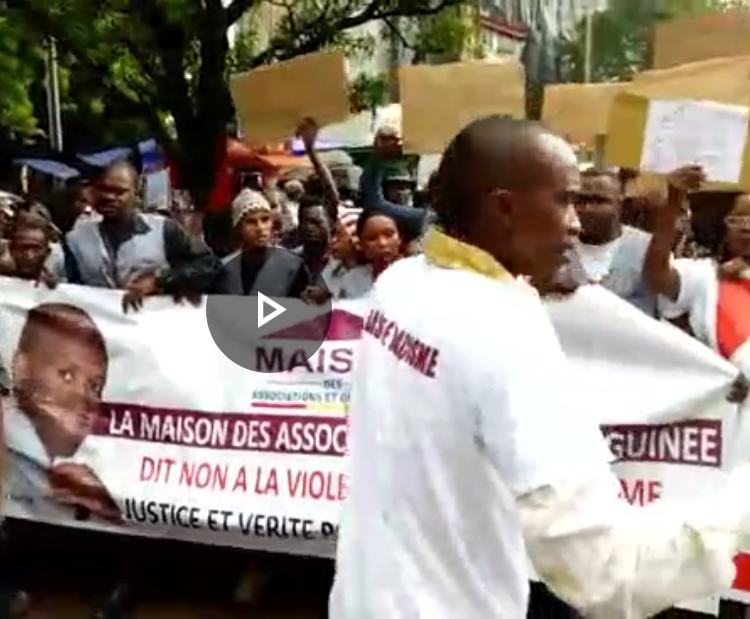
[
  {"x": 276, "y": 309},
  {"x": 282, "y": 323}
]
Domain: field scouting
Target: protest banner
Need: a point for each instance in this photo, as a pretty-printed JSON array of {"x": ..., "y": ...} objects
[
  {"x": 141, "y": 425},
  {"x": 438, "y": 101},
  {"x": 701, "y": 36},
  {"x": 268, "y": 101}
]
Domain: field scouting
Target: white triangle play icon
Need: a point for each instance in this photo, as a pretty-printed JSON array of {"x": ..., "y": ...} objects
[{"x": 264, "y": 301}]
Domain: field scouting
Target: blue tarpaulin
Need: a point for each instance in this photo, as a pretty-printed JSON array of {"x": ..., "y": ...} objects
[
  {"x": 151, "y": 160},
  {"x": 51, "y": 167}
]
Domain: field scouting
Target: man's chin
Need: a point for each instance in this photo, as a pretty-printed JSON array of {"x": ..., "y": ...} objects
[{"x": 68, "y": 446}]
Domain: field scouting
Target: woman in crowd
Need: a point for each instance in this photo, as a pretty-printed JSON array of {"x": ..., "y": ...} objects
[
  {"x": 380, "y": 244},
  {"x": 713, "y": 292}
]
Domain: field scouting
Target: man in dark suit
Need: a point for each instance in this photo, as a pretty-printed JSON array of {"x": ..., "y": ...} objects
[{"x": 258, "y": 266}]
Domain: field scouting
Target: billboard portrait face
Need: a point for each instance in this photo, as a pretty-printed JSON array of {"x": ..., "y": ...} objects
[{"x": 59, "y": 373}]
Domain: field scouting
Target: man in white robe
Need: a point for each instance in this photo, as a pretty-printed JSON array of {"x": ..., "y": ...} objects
[{"x": 468, "y": 448}]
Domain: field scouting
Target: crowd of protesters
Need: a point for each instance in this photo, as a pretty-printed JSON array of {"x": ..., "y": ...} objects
[
  {"x": 105, "y": 240},
  {"x": 648, "y": 247}
]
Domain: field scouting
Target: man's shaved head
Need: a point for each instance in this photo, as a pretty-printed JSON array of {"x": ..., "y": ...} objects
[
  {"x": 505, "y": 186},
  {"x": 557, "y": 147},
  {"x": 491, "y": 154}
]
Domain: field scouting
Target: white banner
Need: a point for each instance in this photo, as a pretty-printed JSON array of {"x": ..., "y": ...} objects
[{"x": 138, "y": 424}]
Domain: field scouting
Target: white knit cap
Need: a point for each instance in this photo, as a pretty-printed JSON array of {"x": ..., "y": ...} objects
[
  {"x": 348, "y": 217},
  {"x": 248, "y": 201}
]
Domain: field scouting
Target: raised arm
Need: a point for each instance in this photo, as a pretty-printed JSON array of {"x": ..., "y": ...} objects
[
  {"x": 308, "y": 133},
  {"x": 659, "y": 273},
  {"x": 607, "y": 558}
]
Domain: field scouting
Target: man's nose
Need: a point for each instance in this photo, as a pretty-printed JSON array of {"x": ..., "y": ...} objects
[{"x": 572, "y": 221}]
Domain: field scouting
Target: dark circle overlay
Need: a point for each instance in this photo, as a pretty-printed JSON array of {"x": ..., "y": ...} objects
[{"x": 284, "y": 342}]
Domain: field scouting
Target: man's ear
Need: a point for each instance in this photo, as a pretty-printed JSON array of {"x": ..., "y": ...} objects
[
  {"x": 20, "y": 367},
  {"x": 500, "y": 207}
]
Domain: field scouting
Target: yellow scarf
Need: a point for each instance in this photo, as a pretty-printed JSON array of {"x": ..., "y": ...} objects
[{"x": 449, "y": 253}]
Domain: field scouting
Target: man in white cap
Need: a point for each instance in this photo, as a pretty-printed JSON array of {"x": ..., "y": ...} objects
[
  {"x": 469, "y": 451},
  {"x": 257, "y": 266}
]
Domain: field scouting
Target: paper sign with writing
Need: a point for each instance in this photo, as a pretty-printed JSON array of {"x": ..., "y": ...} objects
[
  {"x": 438, "y": 101},
  {"x": 272, "y": 101},
  {"x": 704, "y": 133}
]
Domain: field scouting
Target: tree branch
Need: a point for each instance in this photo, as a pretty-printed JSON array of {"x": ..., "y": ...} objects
[
  {"x": 170, "y": 44},
  {"x": 398, "y": 34},
  {"x": 313, "y": 39}
]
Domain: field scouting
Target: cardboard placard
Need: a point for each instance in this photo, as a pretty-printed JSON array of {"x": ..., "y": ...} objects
[
  {"x": 438, "y": 101},
  {"x": 701, "y": 37},
  {"x": 626, "y": 128},
  {"x": 272, "y": 101},
  {"x": 725, "y": 80},
  {"x": 579, "y": 111}
]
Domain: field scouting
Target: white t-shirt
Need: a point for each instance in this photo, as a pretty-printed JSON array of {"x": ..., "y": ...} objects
[
  {"x": 346, "y": 282},
  {"x": 461, "y": 405},
  {"x": 353, "y": 283},
  {"x": 698, "y": 293},
  {"x": 699, "y": 298},
  {"x": 596, "y": 260}
]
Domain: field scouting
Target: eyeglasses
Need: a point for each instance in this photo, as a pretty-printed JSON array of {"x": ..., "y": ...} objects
[{"x": 738, "y": 222}]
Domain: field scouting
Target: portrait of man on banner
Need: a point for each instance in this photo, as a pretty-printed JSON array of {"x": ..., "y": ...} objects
[{"x": 50, "y": 407}]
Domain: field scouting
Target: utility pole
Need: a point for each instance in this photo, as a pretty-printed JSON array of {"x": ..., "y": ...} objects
[
  {"x": 588, "y": 53},
  {"x": 54, "y": 116},
  {"x": 588, "y": 46}
]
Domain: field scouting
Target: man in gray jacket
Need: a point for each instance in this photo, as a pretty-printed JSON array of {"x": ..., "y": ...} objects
[{"x": 608, "y": 253}]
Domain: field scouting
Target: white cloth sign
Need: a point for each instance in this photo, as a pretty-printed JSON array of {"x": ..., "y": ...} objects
[
  {"x": 138, "y": 424},
  {"x": 682, "y": 132}
]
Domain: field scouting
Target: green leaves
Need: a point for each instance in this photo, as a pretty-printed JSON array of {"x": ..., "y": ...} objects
[
  {"x": 131, "y": 68},
  {"x": 20, "y": 65},
  {"x": 368, "y": 92},
  {"x": 446, "y": 34},
  {"x": 621, "y": 41}
]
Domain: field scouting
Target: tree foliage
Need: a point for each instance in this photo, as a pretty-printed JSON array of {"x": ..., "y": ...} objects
[
  {"x": 164, "y": 63},
  {"x": 445, "y": 36},
  {"x": 442, "y": 37},
  {"x": 368, "y": 92},
  {"x": 20, "y": 63},
  {"x": 622, "y": 37}
]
